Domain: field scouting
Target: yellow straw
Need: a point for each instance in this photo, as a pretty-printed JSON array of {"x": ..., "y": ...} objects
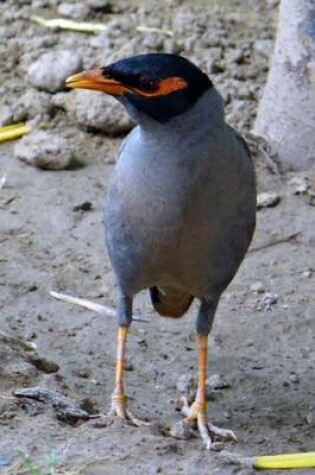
[
  {"x": 300, "y": 460},
  {"x": 63, "y": 24},
  {"x": 11, "y": 132}
]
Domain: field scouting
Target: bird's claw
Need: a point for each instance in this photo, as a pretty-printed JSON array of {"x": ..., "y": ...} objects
[
  {"x": 208, "y": 432},
  {"x": 119, "y": 409}
]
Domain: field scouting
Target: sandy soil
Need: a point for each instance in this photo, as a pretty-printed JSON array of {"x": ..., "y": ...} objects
[{"x": 262, "y": 343}]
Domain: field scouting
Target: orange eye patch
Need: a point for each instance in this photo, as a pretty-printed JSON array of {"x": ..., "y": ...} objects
[{"x": 165, "y": 87}]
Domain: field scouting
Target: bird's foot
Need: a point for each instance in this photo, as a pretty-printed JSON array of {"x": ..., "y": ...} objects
[
  {"x": 119, "y": 409},
  {"x": 211, "y": 435}
]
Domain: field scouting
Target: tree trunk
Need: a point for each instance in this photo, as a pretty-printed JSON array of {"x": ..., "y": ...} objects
[{"x": 286, "y": 114}]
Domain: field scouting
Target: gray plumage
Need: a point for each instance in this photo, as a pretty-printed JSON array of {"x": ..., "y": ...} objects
[{"x": 180, "y": 210}]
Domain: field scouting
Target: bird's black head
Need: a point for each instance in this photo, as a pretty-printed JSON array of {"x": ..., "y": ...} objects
[{"x": 158, "y": 85}]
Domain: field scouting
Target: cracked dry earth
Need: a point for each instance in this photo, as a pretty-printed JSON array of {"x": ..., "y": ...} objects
[{"x": 262, "y": 343}]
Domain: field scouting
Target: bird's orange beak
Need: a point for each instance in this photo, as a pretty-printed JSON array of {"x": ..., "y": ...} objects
[{"x": 95, "y": 80}]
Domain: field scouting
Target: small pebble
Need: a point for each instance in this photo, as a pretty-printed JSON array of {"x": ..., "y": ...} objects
[
  {"x": 294, "y": 378},
  {"x": 181, "y": 430},
  {"x": 78, "y": 11},
  {"x": 299, "y": 185},
  {"x": 215, "y": 381},
  {"x": 31, "y": 104},
  {"x": 4, "y": 462},
  {"x": 85, "y": 206},
  {"x": 267, "y": 301},
  {"x": 142, "y": 343},
  {"x": 153, "y": 41},
  {"x": 310, "y": 418},
  {"x": 267, "y": 199},
  {"x": 44, "y": 150},
  {"x": 97, "y": 112},
  {"x": 6, "y": 116},
  {"x": 187, "y": 385},
  {"x": 264, "y": 47},
  {"x": 51, "y": 70},
  {"x": 257, "y": 287}
]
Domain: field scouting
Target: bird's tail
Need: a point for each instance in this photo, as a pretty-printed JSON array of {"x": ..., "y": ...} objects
[{"x": 170, "y": 302}]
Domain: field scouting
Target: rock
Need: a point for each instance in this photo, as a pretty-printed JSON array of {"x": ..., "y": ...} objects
[
  {"x": 44, "y": 150},
  {"x": 172, "y": 46},
  {"x": 299, "y": 185},
  {"x": 4, "y": 462},
  {"x": 215, "y": 381},
  {"x": 6, "y": 115},
  {"x": 103, "y": 6},
  {"x": 187, "y": 385},
  {"x": 267, "y": 199},
  {"x": 257, "y": 287},
  {"x": 50, "y": 71},
  {"x": 264, "y": 47},
  {"x": 236, "y": 55},
  {"x": 78, "y": 11},
  {"x": 294, "y": 378},
  {"x": 267, "y": 301},
  {"x": 33, "y": 103},
  {"x": 98, "y": 112},
  {"x": 102, "y": 41},
  {"x": 153, "y": 41},
  {"x": 310, "y": 418},
  {"x": 181, "y": 430}
]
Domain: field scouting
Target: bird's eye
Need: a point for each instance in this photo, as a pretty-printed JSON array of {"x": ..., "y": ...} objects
[{"x": 148, "y": 84}]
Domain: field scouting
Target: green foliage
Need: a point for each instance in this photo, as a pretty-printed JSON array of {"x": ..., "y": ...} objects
[{"x": 47, "y": 466}]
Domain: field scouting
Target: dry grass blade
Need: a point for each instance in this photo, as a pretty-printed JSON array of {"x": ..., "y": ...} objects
[
  {"x": 103, "y": 310},
  {"x": 64, "y": 24},
  {"x": 12, "y": 132},
  {"x": 152, "y": 29}
]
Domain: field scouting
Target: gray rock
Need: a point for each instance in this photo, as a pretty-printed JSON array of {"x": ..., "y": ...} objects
[
  {"x": 267, "y": 199},
  {"x": 6, "y": 115},
  {"x": 264, "y": 47},
  {"x": 103, "y": 6},
  {"x": 257, "y": 287},
  {"x": 44, "y": 150},
  {"x": 102, "y": 41},
  {"x": 33, "y": 103},
  {"x": 299, "y": 184},
  {"x": 267, "y": 302},
  {"x": 98, "y": 111},
  {"x": 187, "y": 385},
  {"x": 181, "y": 430},
  {"x": 78, "y": 11},
  {"x": 172, "y": 46},
  {"x": 215, "y": 381},
  {"x": 153, "y": 41},
  {"x": 50, "y": 71}
]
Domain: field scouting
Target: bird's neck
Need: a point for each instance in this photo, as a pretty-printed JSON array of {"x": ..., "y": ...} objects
[{"x": 205, "y": 115}]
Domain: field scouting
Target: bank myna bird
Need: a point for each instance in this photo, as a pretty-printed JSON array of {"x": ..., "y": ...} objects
[{"x": 180, "y": 209}]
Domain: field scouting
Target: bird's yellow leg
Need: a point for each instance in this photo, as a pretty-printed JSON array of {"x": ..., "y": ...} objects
[
  {"x": 119, "y": 398},
  {"x": 197, "y": 412}
]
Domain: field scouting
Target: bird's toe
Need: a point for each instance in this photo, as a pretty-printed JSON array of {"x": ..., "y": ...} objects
[
  {"x": 211, "y": 435},
  {"x": 119, "y": 409}
]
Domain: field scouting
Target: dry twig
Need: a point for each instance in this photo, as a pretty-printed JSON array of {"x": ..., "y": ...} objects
[
  {"x": 103, "y": 310},
  {"x": 281, "y": 240}
]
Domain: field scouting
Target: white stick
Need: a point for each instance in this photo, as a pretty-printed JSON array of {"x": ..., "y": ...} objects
[{"x": 103, "y": 310}]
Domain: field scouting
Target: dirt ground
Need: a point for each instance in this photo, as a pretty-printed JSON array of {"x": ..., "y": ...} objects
[{"x": 262, "y": 343}]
